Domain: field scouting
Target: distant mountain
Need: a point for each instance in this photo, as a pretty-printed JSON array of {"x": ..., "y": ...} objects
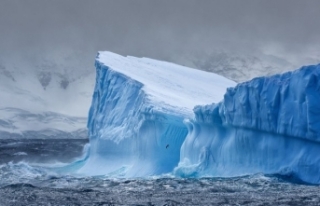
[
  {"x": 17, "y": 123},
  {"x": 44, "y": 99},
  {"x": 237, "y": 66}
]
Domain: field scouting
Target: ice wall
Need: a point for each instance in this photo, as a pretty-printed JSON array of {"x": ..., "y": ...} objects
[
  {"x": 136, "y": 118},
  {"x": 287, "y": 104},
  {"x": 268, "y": 125}
]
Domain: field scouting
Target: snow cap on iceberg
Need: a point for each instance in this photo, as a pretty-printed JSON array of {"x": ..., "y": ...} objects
[{"x": 167, "y": 84}]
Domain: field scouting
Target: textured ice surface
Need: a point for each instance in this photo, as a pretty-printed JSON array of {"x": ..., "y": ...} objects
[
  {"x": 144, "y": 121},
  {"x": 268, "y": 125},
  {"x": 136, "y": 119}
]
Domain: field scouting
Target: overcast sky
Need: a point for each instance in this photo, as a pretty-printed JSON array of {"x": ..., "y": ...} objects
[{"x": 159, "y": 28}]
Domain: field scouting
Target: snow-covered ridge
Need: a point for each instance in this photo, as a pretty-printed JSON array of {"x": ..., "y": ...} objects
[{"x": 241, "y": 67}]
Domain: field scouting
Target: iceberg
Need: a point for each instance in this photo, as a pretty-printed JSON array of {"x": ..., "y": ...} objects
[
  {"x": 151, "y": 117},
  {"x": 268, "y": 125},
  {"x": 136, "y": 120}
]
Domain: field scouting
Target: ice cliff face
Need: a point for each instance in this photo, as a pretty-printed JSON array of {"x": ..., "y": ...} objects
[
  {"x": 286, "y": 104},
  {"x": 267, "y": 125},
  {"x": 144, "y": 121}
]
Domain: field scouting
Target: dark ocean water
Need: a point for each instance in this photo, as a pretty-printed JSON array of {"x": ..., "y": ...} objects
[{"x": 25, "y": 179}]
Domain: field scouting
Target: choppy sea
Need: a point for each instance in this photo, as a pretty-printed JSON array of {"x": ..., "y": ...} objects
[{"x": 26, "y": 179}]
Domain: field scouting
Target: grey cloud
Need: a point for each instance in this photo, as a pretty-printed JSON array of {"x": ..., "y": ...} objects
[{"x": 155, "y": 28}]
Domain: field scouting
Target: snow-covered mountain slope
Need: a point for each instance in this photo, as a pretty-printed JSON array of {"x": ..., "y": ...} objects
[
  {"x": 141, "y": 122},
  {"x": 36, "y": 96},
  {"x": 136, "y": 117},
  {"x": 240, "y": 66}
]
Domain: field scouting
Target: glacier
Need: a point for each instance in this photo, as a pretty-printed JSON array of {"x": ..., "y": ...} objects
[{"x": 150, "y": 117}]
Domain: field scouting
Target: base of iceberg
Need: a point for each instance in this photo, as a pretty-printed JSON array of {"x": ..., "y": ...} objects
[
  {"x": 144, "y": 121},
  {"x": 222, "y": 151}
]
